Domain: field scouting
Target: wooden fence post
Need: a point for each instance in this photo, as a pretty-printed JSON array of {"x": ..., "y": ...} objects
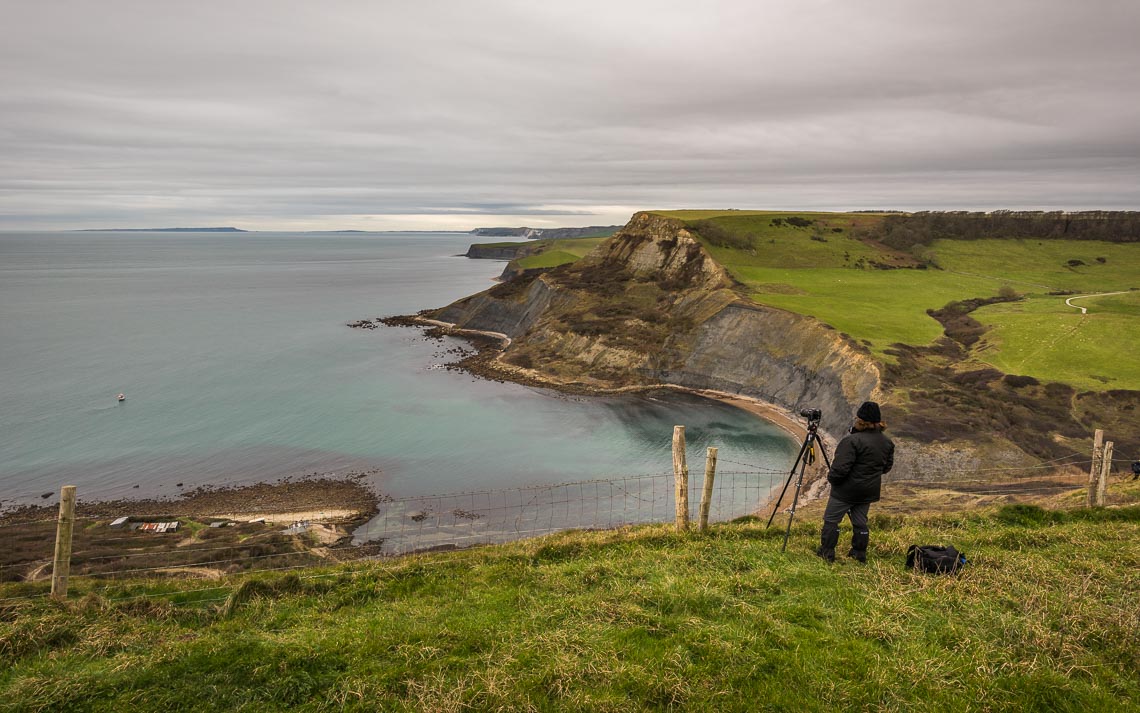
[
  {"x": 1094, "y": 470},
  {"x": 61, "y": 567},
  {"x": 680, "y": 478},
  {"x": 1105, "y": 471},
  {"x": 706, "y": 491}
]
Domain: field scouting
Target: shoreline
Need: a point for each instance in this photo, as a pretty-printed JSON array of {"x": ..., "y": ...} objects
[
  {"x": 218, "y": 531},
  {"x": 341, "y": 500},
  {"x": 487, "y": 363},
  {"x": 774, "y": 414}
]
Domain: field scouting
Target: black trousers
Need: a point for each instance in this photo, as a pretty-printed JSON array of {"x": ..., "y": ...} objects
[{"x": 833, "y": 515}]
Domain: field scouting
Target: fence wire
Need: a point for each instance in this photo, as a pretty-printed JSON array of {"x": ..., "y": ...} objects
[{"x": 435, "y": 522}]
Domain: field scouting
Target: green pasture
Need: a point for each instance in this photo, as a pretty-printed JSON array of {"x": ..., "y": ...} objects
[
  {"x": 1043, "y": 337},
  {"x": 550, "y": 258},
  {"x": 794, "y": 248},
  {"x": 1034, "y": 266},
  {"x": 877, "y": 307},
  {"x": 553, "y": 253}
]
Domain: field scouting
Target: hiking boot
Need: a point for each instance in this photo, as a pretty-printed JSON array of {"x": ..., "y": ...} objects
[
  {"x": 826, "y": 553},
  {"x": 858, "y": 555}
]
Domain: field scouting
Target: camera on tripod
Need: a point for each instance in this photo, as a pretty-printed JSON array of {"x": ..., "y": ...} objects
[{"x": 806, "y": 457}]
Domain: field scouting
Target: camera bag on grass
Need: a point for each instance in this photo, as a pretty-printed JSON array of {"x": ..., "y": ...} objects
[{"x": 934, "y": 558}]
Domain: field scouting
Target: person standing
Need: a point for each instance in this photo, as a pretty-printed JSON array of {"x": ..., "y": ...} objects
[{"x": 856, "y": 477}]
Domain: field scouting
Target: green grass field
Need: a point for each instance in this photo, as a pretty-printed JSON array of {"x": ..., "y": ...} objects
[
  {"x": 1041, "y": 266},
  {"x": 1044, "y": 618},
  {"x": 1043, "y": 335},
  {"x": 559, "y": 252},
  {"x": 825, "y": 272},
  {"x": 877, "y": 307}
]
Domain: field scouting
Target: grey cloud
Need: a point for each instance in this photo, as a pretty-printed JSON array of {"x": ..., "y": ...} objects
[{"x": 324, "y": 114}]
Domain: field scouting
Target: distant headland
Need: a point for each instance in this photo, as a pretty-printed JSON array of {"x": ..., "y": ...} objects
[
  {"x": 591, "y": 231},
  {"x": 163, "y": 230}
]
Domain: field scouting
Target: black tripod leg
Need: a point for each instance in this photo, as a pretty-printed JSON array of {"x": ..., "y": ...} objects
[
  {"x": 791, "y": 474},
  {"x": 823, "y": 452},
  {"x": 796, "y": 496}
]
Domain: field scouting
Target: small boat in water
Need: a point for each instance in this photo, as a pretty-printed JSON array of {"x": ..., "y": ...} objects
[{"x": 121, "y": 397}]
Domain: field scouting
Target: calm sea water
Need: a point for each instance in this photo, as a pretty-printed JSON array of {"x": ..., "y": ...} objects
[{"x": 237, "y": 365}]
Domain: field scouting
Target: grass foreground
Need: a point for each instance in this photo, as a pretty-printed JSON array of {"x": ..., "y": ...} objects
[{"x": 1044, "y": 618}]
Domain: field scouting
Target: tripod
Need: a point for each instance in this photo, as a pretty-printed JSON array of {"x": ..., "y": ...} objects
[{"x": 803, "y": 460}]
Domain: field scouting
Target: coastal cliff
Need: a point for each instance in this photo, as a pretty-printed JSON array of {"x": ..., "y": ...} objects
[
  {"x": 500, "y": 251},
  {"x": 650, "y": 306}
]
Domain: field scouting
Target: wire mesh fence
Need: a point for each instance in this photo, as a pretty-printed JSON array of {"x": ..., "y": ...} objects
[
  {"x": 106, "y": 560},
  {"x": 493, "y": 516}
]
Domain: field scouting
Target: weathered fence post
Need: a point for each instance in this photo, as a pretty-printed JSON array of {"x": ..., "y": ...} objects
[
  {"x": 706, "y": 491},
  {"x": 1094, "y": 470},
  {"x": 1105, "y": 471},
  {"x": 61, "y": 566},
  {"x": 680, "y": 478}
]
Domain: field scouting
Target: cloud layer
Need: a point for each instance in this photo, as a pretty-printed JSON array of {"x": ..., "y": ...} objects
[{"x": 456, "y": 114}]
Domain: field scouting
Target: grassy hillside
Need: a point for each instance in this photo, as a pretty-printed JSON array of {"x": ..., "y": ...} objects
[
  {"x": 824, "y": 265},
  {"x": 1043, "y": 335},
  {"x": 553, "y": 253},
  {"x": 1044, "y": 618}
]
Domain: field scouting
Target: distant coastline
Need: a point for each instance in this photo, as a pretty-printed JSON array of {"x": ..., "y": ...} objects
[
  {"x": 162, "y": 230},
  {"x": 240, "y": 230}
]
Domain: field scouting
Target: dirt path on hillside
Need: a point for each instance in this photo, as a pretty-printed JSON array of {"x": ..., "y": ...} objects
[{"x": 1085, "y": 297}]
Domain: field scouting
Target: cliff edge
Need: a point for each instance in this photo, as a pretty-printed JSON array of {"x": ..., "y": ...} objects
[{"x": 650, "y": 306}]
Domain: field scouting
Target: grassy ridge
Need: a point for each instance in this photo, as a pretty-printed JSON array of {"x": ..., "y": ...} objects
[
  {"x": 1044, "y": 618},
  {"x": 830, "y": 271},
  {"x": 558, "y": 252}
]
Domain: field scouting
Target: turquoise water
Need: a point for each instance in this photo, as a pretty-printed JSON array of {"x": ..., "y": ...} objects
[{"x": 237, "y": 365}]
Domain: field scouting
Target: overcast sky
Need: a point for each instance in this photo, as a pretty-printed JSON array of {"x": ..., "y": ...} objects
[{"x": 391, "y": 115}]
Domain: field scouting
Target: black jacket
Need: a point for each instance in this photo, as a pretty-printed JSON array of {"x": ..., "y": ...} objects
[{"x": 856, "y": 473}]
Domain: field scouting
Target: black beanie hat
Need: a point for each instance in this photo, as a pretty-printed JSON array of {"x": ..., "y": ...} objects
[{"x": 869, "y": 412}]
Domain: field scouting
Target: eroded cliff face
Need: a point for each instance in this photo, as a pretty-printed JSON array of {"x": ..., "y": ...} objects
[
  {"x": 650, "y": 306},
  {"x": 779, "y": 357}
]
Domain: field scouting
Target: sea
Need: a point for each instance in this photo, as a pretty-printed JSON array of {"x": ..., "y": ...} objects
[{"x": 237, "y": 364}]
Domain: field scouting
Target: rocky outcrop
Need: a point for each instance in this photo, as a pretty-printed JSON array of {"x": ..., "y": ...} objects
[
  {"x": 651, "y": 306},
  {"x": 499, "y": 251},
  {"x": 513, "y": 271},
  {"x": 497, "y": 311}
]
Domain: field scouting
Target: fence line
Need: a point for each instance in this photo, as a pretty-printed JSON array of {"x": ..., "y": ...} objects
[
  {"x": 413, "y": 525},
  {"x": 435, "y": 521}
]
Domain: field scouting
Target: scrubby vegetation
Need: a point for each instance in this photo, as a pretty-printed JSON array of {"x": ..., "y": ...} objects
[
  {"x": 1042, "y": 618},
  {"x": 903, "y": 231}
]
